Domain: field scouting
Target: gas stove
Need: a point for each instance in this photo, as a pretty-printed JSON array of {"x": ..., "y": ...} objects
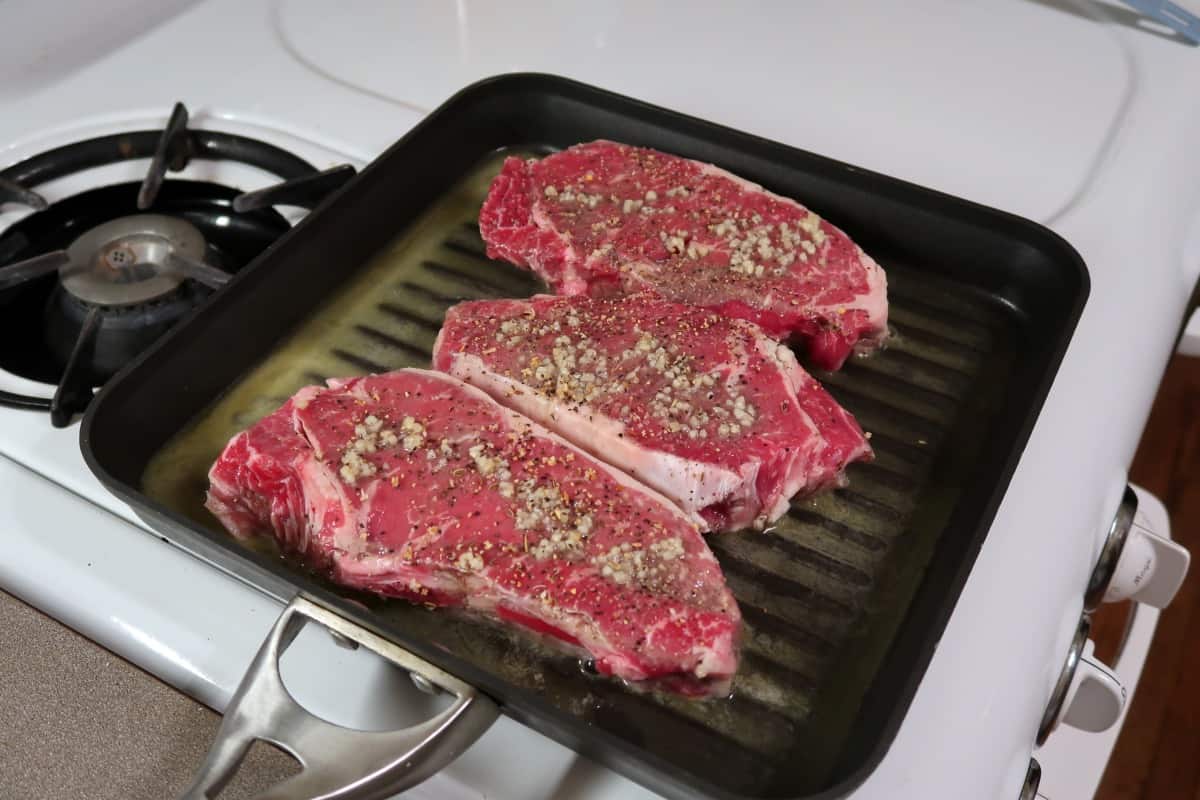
[{"x": 1069, "y": 113}]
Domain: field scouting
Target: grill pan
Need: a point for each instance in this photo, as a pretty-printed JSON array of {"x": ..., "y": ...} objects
[{"x": 843, "y": 601}]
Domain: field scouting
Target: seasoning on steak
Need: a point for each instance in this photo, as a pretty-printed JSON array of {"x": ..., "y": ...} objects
[
  {"x": 413, "y": 484},
  {"x": 603, "y": 216},
  {"x": 708, "y": 410}
]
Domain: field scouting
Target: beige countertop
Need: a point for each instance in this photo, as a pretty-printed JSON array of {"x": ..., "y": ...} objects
[{"x": 77, "y": 721}]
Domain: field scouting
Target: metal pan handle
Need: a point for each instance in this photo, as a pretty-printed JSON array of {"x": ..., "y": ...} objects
[{"x": 337, "y": 762}]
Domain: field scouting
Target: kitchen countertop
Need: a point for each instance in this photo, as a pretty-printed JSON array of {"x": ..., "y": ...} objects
[{"x": 78, "y": 721}]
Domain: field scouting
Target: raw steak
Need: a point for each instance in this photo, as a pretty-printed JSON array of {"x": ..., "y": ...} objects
[
  {"x": 708, "y": 410},
  {"x": 416, "y": 485},
  {"x": 603, "y": 216}
]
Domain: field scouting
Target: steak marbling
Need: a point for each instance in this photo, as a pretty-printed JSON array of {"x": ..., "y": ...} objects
[
  {"x": 416, "y": 485},
  {"x": 604, "y": 216},
  {"x": 708, "y": 410}
]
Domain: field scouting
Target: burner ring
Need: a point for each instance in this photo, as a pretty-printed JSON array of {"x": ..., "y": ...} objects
[{"x": 129, "y": 260}]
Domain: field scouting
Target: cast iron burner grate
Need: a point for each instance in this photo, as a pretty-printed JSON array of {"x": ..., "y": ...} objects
[{"x": 88, "y": 283}]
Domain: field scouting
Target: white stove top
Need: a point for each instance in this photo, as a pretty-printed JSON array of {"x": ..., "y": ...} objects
[{"x": 1036, "y": 107}]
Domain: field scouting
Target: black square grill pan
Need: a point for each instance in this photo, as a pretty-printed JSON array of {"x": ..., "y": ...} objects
[{"x": 843, "y": 601}]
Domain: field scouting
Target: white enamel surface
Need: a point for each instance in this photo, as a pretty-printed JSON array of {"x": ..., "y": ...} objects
[
  {"x": 52, "y": 44},
  {"x": 1012, "y": 104},
  {"x": 887, "y": 86}
]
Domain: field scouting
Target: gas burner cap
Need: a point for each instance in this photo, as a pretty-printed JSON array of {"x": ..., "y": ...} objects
[{"x": 131, "y": 260}]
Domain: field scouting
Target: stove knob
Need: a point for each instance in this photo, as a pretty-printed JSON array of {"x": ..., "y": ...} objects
[
  {"x": 1138, "y": 560},
  {"x": 1095, "y": 697},
  {"x": 1189, "y": 342},
  {"x": 1151, "y": 567},
  {"x": 1088, "y": 695}
]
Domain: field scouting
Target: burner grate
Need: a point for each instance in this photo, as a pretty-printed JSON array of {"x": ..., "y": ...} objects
[
  {"x": 124, "y": 277},
  {"x": 13, "y": 192}
]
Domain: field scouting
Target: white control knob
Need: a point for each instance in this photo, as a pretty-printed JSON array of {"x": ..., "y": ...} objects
[
  {"x": 1095, "y": 697},
  {"x": 1151, "y": 567},
  {"x": 1087, "y": 695},
  {"x": 1189, "y": 343}
]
